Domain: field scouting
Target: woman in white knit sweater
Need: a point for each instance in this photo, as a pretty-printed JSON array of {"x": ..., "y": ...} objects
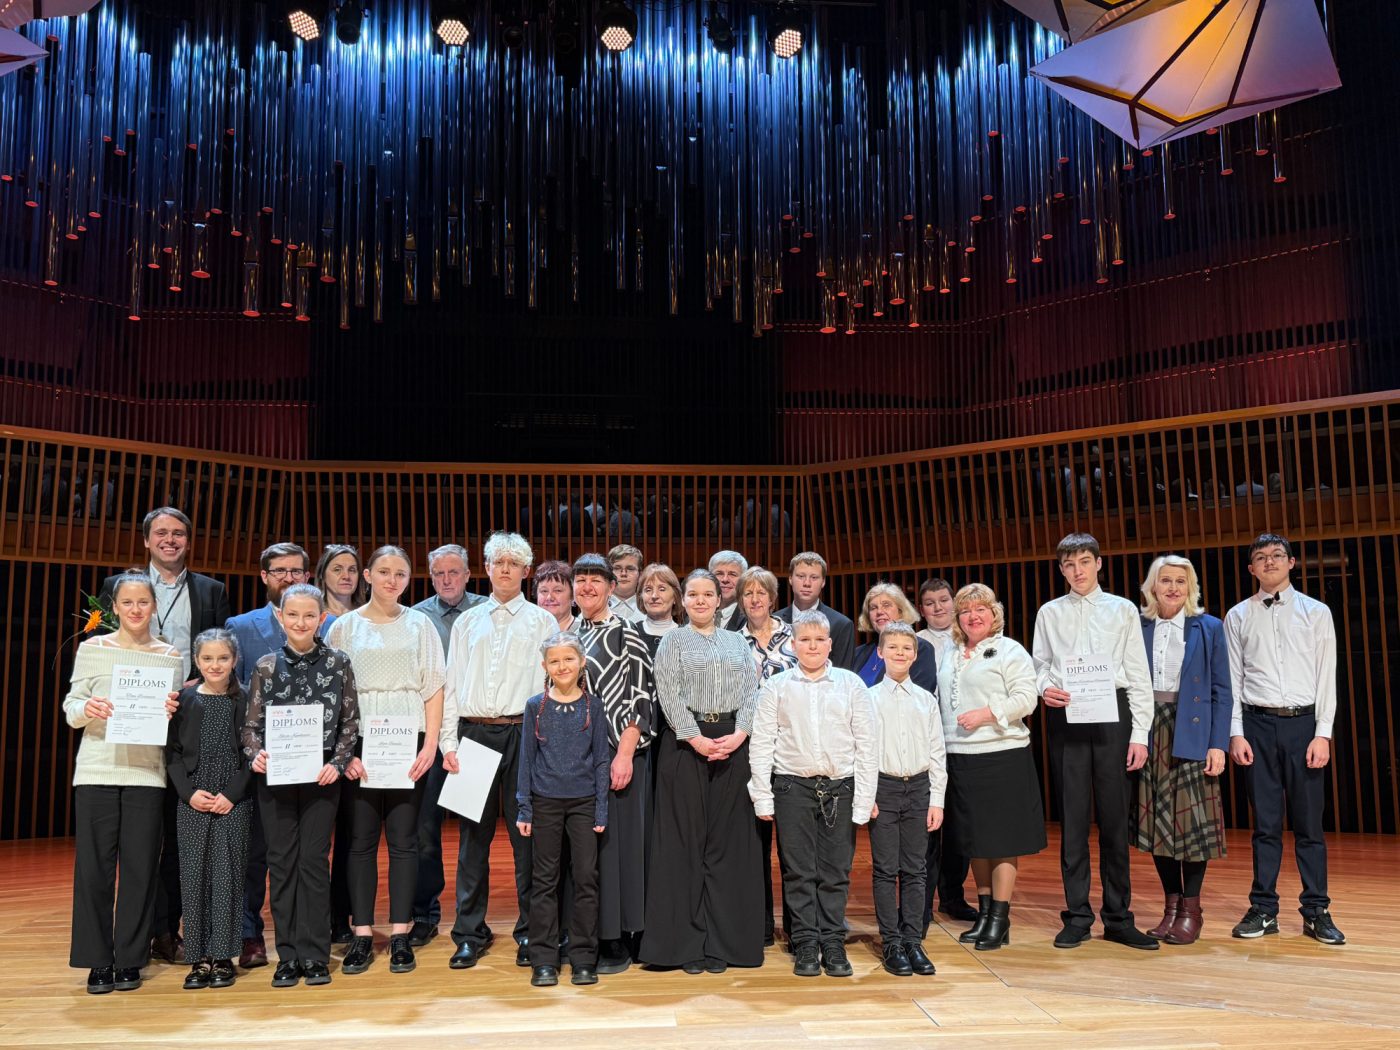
[
  {"x": 986, "y": 688},
  {"x": 119, "y": 799}
]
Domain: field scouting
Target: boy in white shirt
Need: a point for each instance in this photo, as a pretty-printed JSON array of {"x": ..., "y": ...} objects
[
  {"x": 1090, "y": 761},
  {"x": 814, "y": 760},
  {"x": 908, "y": 801}
]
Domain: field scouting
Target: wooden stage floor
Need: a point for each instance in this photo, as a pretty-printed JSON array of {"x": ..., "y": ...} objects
[{"x": 1281, "y": 991}]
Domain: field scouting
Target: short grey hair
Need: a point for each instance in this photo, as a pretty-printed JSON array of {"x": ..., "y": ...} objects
[
  {"x": 510, "y": 545},
  {"x": 719, "y": 558},
  {"x": 448, "y": 550},
  {"x": 810, "y": 618}
]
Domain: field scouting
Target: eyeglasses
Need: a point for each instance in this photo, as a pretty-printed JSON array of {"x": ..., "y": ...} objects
[
  {"x": 286, "y": 574},
  {"x": 1262, "y": 558}
]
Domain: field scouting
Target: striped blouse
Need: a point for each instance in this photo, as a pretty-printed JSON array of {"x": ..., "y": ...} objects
[{"x": 707, "y": 674}]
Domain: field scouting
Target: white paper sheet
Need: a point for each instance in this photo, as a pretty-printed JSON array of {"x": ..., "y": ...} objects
[
  {"x": 138, "y": 696},
  {"x": 294, "y": 743},
  {"x": 1089, "y": 680},
  {"x": 466, "y": 792},
  {"x": 389, "y": 744}
]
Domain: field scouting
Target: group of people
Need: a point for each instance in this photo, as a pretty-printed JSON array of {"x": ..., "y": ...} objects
[{"x": 654, "y": 737}]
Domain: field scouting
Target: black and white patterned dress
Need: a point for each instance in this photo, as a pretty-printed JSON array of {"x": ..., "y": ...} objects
[{"x": 213, "y": 849}]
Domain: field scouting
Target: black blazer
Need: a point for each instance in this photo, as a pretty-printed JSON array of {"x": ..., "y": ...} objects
[
  {"x": 182, "y": 745},
  {"x": 843, "y": 635},
  {"x": 925, "y": 669},
  {"x": 208, "y": 604}
]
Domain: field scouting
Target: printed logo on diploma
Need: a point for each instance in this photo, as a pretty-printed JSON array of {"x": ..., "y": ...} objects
[
  {"x": 1093, "y": 694},
  {"x": 388, "y": 747},
  {"x": 138, "y": 695}
]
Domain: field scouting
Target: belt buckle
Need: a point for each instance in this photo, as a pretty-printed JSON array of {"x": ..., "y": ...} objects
[{"x": 710, "y": 716}]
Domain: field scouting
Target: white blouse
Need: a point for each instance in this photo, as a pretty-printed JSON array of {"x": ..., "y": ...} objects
[
  {"x": 998, "y": 675},
  {"x": 398, "y": 665},
  {"x": 1168, "y": 651}
]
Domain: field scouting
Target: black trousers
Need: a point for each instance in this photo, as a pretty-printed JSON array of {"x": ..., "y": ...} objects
[
  {"x": 297, "y": 820},
  {"x": 898, "y": 854},
  {"x": 816, "y": 844},
  {"x": 427, "y": 895},
  {"x": 118, "y": 830},
  {"x": 340, "y": 854},
  {"x": 396, "y": 811},
  {"x": 474, "y": 846},
  {"x": 946, "y": 870},
  {"x": 1088, "y": 762},
  {"x": 765, "y": 837},
  {"x": 169, "y": 907},
  {"x": 554, "y": 820},
  {"x": 255, "y": 880},
  {"x": 1279, "y": 776}
]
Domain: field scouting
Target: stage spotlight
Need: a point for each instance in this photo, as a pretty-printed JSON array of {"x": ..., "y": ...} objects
[
  {"x": 785, "y": 30},
  {"x": 450, "y": 22},
  {"x": 349, "y": 20},
  {"x": 306, "y": 18},
  {"x": 617, "y": 25},
  {"x": 719, "y": 30}
]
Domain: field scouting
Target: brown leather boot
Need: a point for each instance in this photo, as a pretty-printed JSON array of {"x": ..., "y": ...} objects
[
  {"x": 1160, "y": 931},
  {"x": 1187, "y": 926}
]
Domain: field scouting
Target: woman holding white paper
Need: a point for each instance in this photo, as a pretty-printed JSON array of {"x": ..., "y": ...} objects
[
  {"x": 399, "y": 671},
  {"x": 118, "y": 798}
]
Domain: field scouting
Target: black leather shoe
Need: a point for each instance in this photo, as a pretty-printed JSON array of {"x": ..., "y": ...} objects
[
  {"x": 198, "y": 977},
  {"x": 834, "y": 961},
  {"x": 359, "y": 955},
  {"x": 998, "y": 929},
  {"x": 713, "y": 965},
  {"x": 401, "y": 958},
  {"x": 522, "y": 953},
  {"x": 287, "y": 974},
  {"x": 984, "y": 907},
  {"x": 466, "y": 956},
  {"x": 421, "y": 934},
  {"x": 1132, "y": 937},
  {"x": 896, "y": 960},
  {"x": 222, "y": 974},
  {"x": 920, "y": 963},
  {"x": 1322, "y": 929},
  {"x": 806, "y": 961},
  {"x": 1071, "y": 936},
  {"x": 613, "y": 957},
  {"x": 342, "y": 935},
  {"x": 100, "y": 980},
  {"x": 694, "y": 966},
  {"x": 584, "y": 975},
  {"x": 127, "y": 978},
  {"x": 168, "y": 947},
  {"x": 544, "y": 976},
  {"x": 959, "y": 910},
  {"x": 316, "y": 973}
]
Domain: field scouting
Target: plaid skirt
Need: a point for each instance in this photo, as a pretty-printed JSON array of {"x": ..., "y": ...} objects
[{"x": 1179, "y": 814}]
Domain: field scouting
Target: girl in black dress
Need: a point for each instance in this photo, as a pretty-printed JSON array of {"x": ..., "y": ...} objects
[{"x": 211, "y": 776}]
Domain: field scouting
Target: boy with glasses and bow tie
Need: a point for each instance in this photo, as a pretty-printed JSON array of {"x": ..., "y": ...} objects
[{"x": 1283, "y": 662}]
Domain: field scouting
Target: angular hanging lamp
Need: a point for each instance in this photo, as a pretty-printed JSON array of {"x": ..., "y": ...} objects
[
  {"x": 1076, "y": 19},
  {"x": 14, "y": 13},
  {"x": 16, "y": 51}
]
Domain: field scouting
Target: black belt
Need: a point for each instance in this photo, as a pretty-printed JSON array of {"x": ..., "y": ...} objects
[
  {"x": 507, "y": 720},
  {"x": 714, "y": 716},
  {"x": 1283, "y": 712},
  {"x": 898, "y": 779}
]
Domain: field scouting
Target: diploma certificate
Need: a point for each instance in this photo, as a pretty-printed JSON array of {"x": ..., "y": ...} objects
[
  {"x": 293, "y": 742},
  {"x": 138, "y": 696},
  {"x": 1093, "y": 695},
  {"x": 466, "y": 792},
  {"x": 389, "y": 746}
]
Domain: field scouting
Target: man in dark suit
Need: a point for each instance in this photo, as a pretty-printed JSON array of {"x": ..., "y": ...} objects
[
  {"x": 807, "y": 577},
  {"x": 259, "y": 633},
  {"x": 186, "y": 603},
  {"x": 728, "y": 566}
]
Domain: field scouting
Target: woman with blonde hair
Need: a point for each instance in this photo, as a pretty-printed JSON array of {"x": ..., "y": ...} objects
[
  {"x": 886, "y": 603},
  {"x": 986, "y": 690},
  {"x": 1180, "y": 819}
]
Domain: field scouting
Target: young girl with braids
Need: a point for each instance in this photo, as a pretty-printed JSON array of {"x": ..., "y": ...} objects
[{"x": 563, "y": 790}]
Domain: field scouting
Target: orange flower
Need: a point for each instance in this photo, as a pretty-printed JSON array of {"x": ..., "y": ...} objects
[{"x": 94, "y": 620}]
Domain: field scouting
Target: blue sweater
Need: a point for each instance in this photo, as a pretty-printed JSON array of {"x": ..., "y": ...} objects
[{"x": 564, "y": 753}]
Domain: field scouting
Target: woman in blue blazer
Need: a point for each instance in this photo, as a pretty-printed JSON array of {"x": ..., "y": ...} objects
[{"x": 1180, "y": 820}]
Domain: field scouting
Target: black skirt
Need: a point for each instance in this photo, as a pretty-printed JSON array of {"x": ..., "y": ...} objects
[
  {"x": 622, "y": 854},
  {"x": 993, "y": 803}
]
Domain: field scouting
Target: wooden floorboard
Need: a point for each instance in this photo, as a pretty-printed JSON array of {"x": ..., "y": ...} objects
[{"x": 1281, "y": 991}]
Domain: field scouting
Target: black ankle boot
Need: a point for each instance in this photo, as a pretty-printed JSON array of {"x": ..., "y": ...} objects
[
  {"x": 998, "y": 929},
  {"x": 984, "y": 904}
]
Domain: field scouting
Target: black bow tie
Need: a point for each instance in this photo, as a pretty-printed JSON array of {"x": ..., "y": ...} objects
[{"x": 1270, "y": 600}]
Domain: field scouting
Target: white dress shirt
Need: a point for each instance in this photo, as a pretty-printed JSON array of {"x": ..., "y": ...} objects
[
  {"x": 494, "y": 663},
  {"x": 1100, "y": 624},
  {"x": 815, "y": 727},
  {"x": 911, "y": 734},
  {"x": 942, "y": 641},
  {"x": 1168, "y": 651},
  {"x": 172, "y": 613},
  {"x": 627, "y": 608},
  {"x": 1284, "y": 655},
  {"x": 999, "y": 676}
]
